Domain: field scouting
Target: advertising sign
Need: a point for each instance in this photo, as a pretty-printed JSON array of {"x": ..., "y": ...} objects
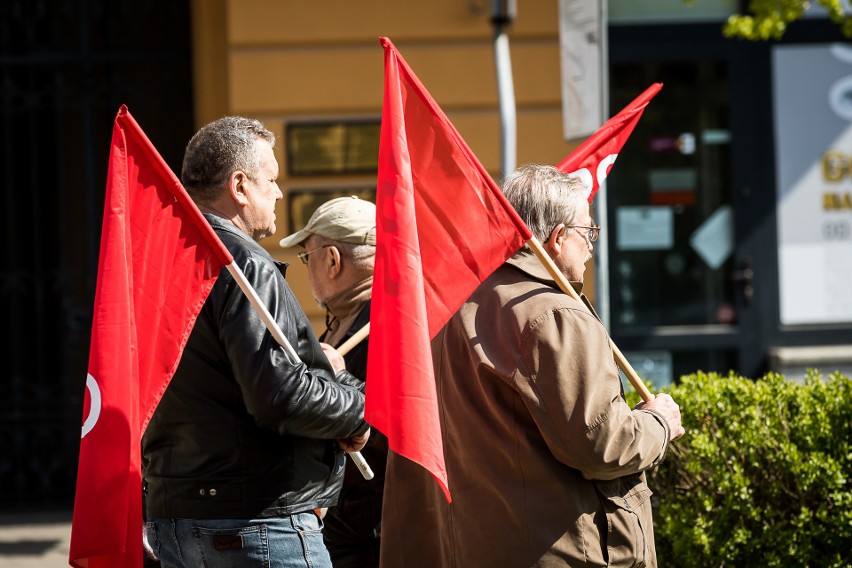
[{"x": 812, "y": 94}]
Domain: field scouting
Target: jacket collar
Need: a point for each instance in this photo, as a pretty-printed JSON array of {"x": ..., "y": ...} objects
[
  {"x": 349, "y": 301},
  {"x": 222, "y": 224},
  {"x": 344, "y": 308},
  {"x": 225, "y": 225},
  {"x": 528, "y": 263}
]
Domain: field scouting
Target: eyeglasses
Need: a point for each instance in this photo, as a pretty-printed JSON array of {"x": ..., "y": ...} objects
[
  {"x": 591, "y": 232},
  {"x": 303, "y": 256}
]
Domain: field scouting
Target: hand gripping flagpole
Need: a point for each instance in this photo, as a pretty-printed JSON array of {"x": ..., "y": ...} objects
[
  {"x": 278, "y": 335},
  {"x": 566, "y": 287}
]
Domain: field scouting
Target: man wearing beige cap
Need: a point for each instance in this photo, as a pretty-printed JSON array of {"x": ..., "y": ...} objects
[{"x": 340, "y": 245}]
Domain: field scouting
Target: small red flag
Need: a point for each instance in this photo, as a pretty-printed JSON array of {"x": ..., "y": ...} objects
[
  {"x": 158, "y": 261},
  {"x": 593, "y": 159},
  {"x": 442, "y": 227}
]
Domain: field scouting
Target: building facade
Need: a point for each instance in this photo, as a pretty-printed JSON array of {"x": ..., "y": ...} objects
[{"x": 727, "y": 214}]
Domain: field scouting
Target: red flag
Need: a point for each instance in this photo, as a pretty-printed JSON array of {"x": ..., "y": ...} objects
[
  {"x": 593, "y": 159},
  {"x": 158, "y": 261},
  {"x": 442, "y": 227}
]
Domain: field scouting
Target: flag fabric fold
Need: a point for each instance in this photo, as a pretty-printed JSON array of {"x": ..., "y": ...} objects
[
  {"x": 442, "y": 227},
  {"x": 158, "y": 261},
  {"x": 593, "y": 159}
]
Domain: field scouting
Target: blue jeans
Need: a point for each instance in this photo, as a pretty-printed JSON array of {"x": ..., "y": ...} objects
[{"x": 285, "y": 542}]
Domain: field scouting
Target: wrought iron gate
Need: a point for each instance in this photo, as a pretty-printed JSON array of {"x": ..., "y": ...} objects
[{"x": 65, "y": 68}]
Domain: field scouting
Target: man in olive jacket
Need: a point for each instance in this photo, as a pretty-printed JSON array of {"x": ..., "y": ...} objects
[
  {"x": 246, "y": 445},
  {"x": 545, "y": 460}
]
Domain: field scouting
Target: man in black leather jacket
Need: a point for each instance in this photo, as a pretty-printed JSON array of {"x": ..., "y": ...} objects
[{"x": 246, "y": 445}]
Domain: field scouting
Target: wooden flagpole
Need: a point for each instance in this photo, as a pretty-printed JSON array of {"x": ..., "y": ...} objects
[
  {"x": 566, "y": 287},
  {"x": 356, "y": 338}
]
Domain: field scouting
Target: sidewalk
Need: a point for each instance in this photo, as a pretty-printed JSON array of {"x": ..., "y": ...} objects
[{"x": 34, "y": 540}]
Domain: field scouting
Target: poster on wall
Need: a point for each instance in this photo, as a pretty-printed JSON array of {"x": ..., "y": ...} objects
[{"x": 812, "y": 94}]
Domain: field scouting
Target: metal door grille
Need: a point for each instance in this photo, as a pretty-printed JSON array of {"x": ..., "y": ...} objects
[{"x": 65, "y": 68}]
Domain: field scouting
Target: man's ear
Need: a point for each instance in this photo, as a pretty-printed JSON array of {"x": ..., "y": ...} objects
[
  {"x": 556, "y": 240},
  {"x": 237, "y": 187},
  {"x": 335, "y": 266}
]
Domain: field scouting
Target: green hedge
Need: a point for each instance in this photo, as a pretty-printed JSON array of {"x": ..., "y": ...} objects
[{"x": 763, "y": 476}]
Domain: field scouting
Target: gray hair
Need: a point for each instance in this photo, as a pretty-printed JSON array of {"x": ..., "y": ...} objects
[
  {"x": 219, "y": 149},
  {"x": 543, "y": 196},
  {"x": 361, "y": 256}
]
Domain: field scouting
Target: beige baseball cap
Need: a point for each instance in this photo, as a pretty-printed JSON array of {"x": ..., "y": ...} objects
[{"x": 345, "y": 219}]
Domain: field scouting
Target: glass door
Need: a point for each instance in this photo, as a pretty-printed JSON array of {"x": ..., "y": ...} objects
[
  {"x": 692, "y": 210},
  {"x": 680, "y": 285}
]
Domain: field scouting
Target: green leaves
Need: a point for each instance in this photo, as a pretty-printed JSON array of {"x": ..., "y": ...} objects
[
  {"x": 769, "y": 18},
  {"x": 763, "y": 475}
]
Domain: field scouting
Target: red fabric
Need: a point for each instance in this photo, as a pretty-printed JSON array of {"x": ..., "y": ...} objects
[
  {"x": 593, "y": 159},
  {"x": 158, "y": 261},
  {"x": 442, "y": 227}
]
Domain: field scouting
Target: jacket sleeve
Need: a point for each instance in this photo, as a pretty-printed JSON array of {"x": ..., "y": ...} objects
[
  {"x": 344, "y": 377},
  {"x": 298, "y": 398},
  {"x": 570, "y": 383}
]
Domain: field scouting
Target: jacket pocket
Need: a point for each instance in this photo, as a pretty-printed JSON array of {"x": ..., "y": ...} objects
[{"x": 627, "y": 504}]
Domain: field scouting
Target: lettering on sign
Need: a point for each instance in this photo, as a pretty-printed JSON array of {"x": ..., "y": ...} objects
[
  {"x": 835, "y": 230},
  {"x": 835, "y": 166},
  {"x": 837, "y": 201}
]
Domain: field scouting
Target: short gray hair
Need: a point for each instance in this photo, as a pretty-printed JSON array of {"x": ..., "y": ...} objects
[
  {"x": 362, "y": 257},
  {"x": 543, "y": 196},
  {"x": 219, "y": 149}
]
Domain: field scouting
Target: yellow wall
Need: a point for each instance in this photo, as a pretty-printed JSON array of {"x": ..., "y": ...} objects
[{"x": 279, "y": 60}]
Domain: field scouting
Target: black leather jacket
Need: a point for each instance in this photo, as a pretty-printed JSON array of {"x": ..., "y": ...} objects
[{"x": 241, "y": 431}]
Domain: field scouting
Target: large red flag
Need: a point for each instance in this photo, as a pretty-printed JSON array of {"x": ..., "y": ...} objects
[
  {"x": 593, "y": 159},
  {"x": 158, "y": 261},
  {"x": 442, "y": 227}
]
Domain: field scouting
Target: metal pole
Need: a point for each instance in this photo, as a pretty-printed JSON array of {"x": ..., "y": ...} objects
[
  {"x": 602, "y": 291},
  {"x": 504, "y": 13}
]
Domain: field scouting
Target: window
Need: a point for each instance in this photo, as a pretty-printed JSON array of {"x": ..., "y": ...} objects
[
  {"x": 301, "y": 203},
  {"x": 332, "y": 147}
]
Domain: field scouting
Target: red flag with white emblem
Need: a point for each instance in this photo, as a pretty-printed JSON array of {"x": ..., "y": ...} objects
[
  {"x": 158, "y": 262},
  {"x": 593, "y": 159},
  {"x": 442, "y": 227}
]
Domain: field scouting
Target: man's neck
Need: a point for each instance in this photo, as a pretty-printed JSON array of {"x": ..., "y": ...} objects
[{"x": 224, "y": 213}]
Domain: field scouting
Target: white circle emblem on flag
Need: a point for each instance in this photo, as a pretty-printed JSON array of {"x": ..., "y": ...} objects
[
  {"x": 94, "y": 406},
  {"x": 603, "y": 167},
  {"x": 600, "y": 174}
]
